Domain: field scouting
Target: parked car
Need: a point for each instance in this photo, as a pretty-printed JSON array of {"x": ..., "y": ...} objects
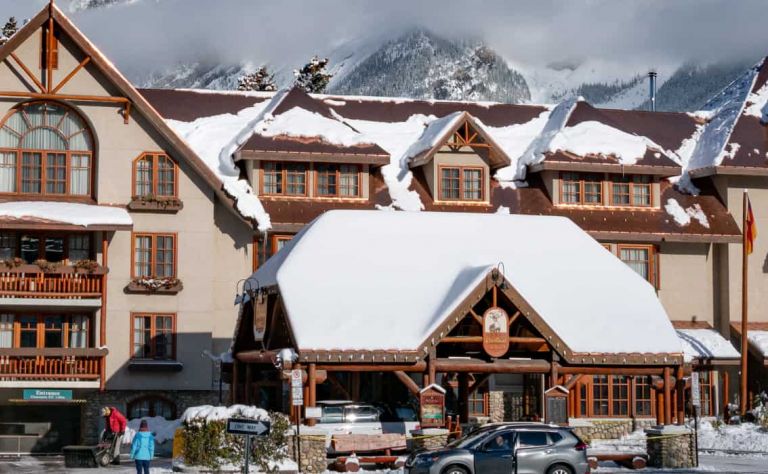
[
  {"x": 346, "y": 416},
  {"x": 522, "y": 448}
]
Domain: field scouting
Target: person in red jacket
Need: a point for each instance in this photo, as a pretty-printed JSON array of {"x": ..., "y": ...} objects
[{"x": 114, "y": 427}]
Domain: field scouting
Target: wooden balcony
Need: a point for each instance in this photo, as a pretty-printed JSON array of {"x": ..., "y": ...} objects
[
  {"x": 29, "y": 281},
  {"x": 51, "y": 365}
]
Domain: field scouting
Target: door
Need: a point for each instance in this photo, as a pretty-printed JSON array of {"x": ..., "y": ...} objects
[
  {"x": 534, "y": 453},
  {"x": 494, "y": 456}
]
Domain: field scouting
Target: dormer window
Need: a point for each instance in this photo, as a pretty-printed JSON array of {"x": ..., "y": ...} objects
[
  {"x": 337, "y": 180},
  {"x": 461, "y": 183},
  {"x": 284, "y": 179},
  {"x": 598, "y": 189}
]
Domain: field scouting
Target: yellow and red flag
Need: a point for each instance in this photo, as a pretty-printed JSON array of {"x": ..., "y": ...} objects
[{"x": 750, "y": 229}]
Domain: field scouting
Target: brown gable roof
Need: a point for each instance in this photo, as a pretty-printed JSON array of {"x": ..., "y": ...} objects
[
  {"x": 189, "y": 105},
  {"x": 124, "y": 87}
]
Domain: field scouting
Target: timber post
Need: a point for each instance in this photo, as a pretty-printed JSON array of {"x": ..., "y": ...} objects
[
  {"x": 464, "y": 396},
  {"x": 312, "y": 386},
  {"x": 233, "y": 387},
  {"x": 667, "y": 396},
  {"x": 247, "y": 394},
  {"x": 680, "y": 395}
]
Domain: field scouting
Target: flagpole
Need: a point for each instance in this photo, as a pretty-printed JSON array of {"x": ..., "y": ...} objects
[{"x": 744, "y": 312}]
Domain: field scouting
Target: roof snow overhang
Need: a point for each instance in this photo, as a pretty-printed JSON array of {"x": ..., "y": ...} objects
[
  {"x": 706, "y": 356},
  {"x": 603, "y": 167},
  {"x": 314, "y": 153},
  {"x": 139, "y": 104},
  {"x": 497, "y": 157},
  {"x": 753, "y": 348},
  {"x": 461, "y": 311}
]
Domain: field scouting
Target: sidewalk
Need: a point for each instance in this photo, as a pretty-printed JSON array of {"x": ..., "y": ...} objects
[{"x": 55, "y": 464}]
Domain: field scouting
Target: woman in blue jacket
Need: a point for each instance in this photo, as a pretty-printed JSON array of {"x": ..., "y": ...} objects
[{"x": 143, "y": 448}]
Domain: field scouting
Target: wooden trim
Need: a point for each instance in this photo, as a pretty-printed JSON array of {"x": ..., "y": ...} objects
[
  {"x": 313, "y": 157},
  {"x": 439, "y": 189},
  {"x": 412, "y": 386},
  {"x": 614, "y": 168},
  {"x": 153, "y": 333},
  {"x": 664, "y": 237},
  {"x": 69, "y": 76},
  {"x": 29, "y": 73},
  {"x": 337, "y": 170},
  {"x": 153, "y": 248}
]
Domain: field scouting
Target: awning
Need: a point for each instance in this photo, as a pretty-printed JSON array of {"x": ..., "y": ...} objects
[
  {"x": 28, "y": 215},
  {"x": 757, "y": 339},
  {"x": 703, "y": 345}
]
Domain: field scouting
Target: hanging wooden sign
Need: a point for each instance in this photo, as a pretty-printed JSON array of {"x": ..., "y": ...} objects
[
  {"x": 259, "y": 317},
  {"x": 495, "y": 332}
]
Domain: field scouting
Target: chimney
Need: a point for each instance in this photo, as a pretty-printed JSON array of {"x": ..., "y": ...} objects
[{"x": 652, "y": 77}]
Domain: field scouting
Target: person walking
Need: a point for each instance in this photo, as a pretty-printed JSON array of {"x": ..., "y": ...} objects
[
  {"x": 114, "y": 430},
  {"x": 143, "y": 448}
]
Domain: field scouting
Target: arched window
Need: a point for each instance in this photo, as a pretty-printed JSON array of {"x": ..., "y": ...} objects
[
  {"x": 151, "y": 406},
  {"x": 154, "y": 174},
  {"x": 45, "y": 148}
]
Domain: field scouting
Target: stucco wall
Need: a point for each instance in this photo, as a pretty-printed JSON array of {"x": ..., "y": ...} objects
[
  {"x": 445, "y": 157},
  {"x": 213, "y": 245},
  {"x": 686, "y": 281}
]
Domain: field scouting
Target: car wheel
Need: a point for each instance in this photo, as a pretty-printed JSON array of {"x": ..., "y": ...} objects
[
  {"x": 559, "y": 469},
  {"x": 455, "y": 470}
]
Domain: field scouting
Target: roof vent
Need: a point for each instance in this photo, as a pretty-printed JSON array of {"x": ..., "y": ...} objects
[{"x": 652, "y": 78}]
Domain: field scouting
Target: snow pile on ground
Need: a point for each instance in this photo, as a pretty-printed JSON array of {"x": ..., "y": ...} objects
[
  {"x": 301, "y": 123},
  {"x": 220, "y": 413},
  {"x": 705, "y": 344},
  {"x": 743, "y": 437},
  {"x": 69, "y": 213},
  {"x": 163, "y": 429},
  {"x": 596, "y": 138},
  {"x": 683, "y": 216},
  {"x": 760, "y": 340}
]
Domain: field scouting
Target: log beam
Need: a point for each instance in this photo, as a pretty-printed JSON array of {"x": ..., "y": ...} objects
[
  {"x": 622, "y": 370},
  {"x": 667, "y": 396},
  {"x": 407, "y": 381}
]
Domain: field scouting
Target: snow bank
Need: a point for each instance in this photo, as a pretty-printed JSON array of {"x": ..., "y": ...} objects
[
  {"x": 596, "y": 138},
  {"x": 743, "y": 437},
  {"x": 163, "y": 429},
  {"x": 683, "y": 216},
  {"x": 301, "y": 123},
  {"x": 760, "y": 340},
  {"x": 416, "y": 286},
  {"x": 68, "y": 213},
  {"x": 212, "y": 413},
  {"x": 705, "y": 344}
]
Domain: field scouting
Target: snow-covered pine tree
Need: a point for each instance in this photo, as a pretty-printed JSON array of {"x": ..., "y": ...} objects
[
  {"x": 313, "y": 77},
  {"x": 261, "y": 80},
  {"x": 8, "y": 30}
]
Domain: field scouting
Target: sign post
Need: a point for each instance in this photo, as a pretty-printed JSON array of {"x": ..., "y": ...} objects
[
  {"x": 247, "y": 428},
  {"x": 297, "y": 396},
  {"x": 432, "y": 406},
  {"x": 696, "y": 402}
]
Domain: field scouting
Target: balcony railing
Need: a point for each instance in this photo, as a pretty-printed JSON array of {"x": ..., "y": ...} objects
[
  {"x": 31, "y": 282},
  {"x": 51, "y": 364}
]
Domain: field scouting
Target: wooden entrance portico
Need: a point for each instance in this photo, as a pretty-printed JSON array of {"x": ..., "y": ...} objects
[{"x": 456, "y": 350}]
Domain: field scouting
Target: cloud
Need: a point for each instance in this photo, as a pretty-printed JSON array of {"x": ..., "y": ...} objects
[{"x": 145, "y": 34}]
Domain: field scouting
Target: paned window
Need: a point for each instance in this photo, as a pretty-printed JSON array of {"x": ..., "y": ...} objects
[
  {"x": 7, "y": 245},
  {"x": 614, "y": 395},
  {"x": 51, "y": 247},
  {"x": 581, "y": 188},
  {"x": 284, "y": 179},
  {"x": 706, "y": 392},
  {"x": 643, "y": 397},
  {"x": 588, "y": 189},
  {"x": 620, "y": 395},
  {"x": 600, "y": 396},
  {"x": 267, "y": 247},
  {"x": 79, "y": 247},
  {"x": 6, "y": 330},
  {"x": 154, "y": 255},
  {"x": 337, "y": 180},
  {"x": 148, "y": 407},
  {"x": 633, "y": 191},
  {"x": 154, "y": 174},
  {"x": 641, "y": 259},
  {"x": 44, "y": 330},
  {"x": 153, "y": 336},
  {"x": 461, "y": 184},
  {"x": 46, "y": 149}
]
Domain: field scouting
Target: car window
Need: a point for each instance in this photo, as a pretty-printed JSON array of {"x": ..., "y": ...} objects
[
  {"x": 332, "y": 415},
  {"x": 360, "y": 414},
  {"x": 406, "y": 414},
  {"x": 533, "y": 439},
  {"x": 555, "y": 437},
  {"x": 500, "y": 442}
]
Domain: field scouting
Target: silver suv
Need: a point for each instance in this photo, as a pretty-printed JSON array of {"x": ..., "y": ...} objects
[{"x": 522, "y": 448}]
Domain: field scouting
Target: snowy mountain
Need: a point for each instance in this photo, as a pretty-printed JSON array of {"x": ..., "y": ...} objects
[
  {"x": 80, "y": 5},
  {"x": 420, "y": 64}
]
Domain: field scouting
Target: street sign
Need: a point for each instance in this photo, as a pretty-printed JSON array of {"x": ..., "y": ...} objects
[
  {"x": 47, "y": 395},
  {"x": 695, "y": 390},
  {"x": 247, "y": 427},
  {"x": 313, "y": 413},
  {"x": 297, "y": 388}
]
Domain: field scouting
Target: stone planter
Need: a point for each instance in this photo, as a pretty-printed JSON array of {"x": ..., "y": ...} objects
[
  {"x": 670, "y": 447},
  {"x": 430, "y": 438},
  {"x": 314, "y": 456},
  {"x": 171, "y": 206}
]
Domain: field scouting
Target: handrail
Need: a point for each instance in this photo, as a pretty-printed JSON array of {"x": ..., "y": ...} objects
[
  {"x": 21, "y": 364},
  {"x": 53, "y": 352},
  {"x": 50, "y": 285}
]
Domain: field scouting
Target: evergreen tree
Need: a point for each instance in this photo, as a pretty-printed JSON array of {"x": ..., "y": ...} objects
[
  {"x": 313, "y": 77},
  {"x": 8, "y": 30},
  {"x": 260, "y": 80}
]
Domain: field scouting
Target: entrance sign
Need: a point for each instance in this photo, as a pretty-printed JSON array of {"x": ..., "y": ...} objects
[
  {"x": 247, "y": 427},
  {"x": 432, "y": 406},
  {"x": 259, "y": 317},
  {"x": 495, "y": 332},
  {"x": 47, "y": 395},
  {"x": 556, "y": 405},
  {"x": 297, "y": 388},
  {"x": 695, "y": 390}
]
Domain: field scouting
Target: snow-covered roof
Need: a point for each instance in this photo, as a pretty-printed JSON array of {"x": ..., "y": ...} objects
[
  {"x": 759, "y": 340},
  {"x": 397, "y": 275},
  {"x": 301, "y": 123},
  {"x": 83, "y": 215},
  {"x": 706, "y": 344}
]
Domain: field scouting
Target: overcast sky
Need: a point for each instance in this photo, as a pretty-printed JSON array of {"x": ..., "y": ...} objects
[{"x": 146, "y": 34}]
